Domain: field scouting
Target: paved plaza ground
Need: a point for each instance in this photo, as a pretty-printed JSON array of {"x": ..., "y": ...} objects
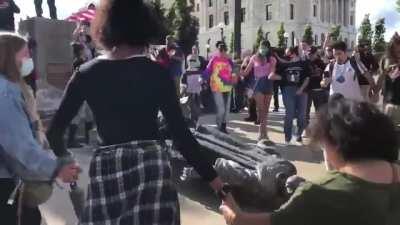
[{"x": 198, "y": 205}]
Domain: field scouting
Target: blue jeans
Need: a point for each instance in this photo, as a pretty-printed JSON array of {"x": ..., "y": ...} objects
[
  {"x": 223, "y": 105},
  {"x": 296, "y": 106}
]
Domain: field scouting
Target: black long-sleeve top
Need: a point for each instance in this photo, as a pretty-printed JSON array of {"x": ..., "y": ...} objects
[{"x": 125, "y": 97}]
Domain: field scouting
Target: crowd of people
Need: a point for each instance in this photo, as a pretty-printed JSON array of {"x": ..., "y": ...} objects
[{"x": 130, "y": 180}]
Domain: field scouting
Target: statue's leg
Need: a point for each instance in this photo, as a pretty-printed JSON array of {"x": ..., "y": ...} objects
[
  {"x": 52, "y": 9},
  {"x": 38, "y": 8}
]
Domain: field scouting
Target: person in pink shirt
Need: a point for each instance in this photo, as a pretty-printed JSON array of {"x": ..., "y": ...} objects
[
  {"x": 263, "y": 64},
  {"x": 219, "y": 72}
]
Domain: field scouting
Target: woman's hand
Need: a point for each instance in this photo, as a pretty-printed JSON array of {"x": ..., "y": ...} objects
[
  {"x": 42, "y": 139},
  {"x": 69, "y": 173},
  {"x": 395, "y": 73},
  {"x": 231, "y": 211},
  {"x": 273, "y": 76},
  {"x": 325, "y": 82},
  {"x": 217, "y": 184}
]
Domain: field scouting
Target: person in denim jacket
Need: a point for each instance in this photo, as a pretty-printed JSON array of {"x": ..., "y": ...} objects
[{"x": 21, "y": 156}]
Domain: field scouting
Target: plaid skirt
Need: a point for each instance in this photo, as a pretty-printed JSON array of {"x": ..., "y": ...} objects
[{"x": 130, "y": 184}]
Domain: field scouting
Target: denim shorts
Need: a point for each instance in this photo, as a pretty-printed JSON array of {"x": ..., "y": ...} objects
[{"x": 263, "y": 85}]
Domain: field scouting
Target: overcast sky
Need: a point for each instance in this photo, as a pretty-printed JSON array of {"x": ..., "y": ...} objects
[{"x": 377, "y": 9}]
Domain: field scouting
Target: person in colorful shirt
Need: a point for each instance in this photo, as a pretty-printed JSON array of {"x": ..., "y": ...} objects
[{"x": 219, "y": 72}]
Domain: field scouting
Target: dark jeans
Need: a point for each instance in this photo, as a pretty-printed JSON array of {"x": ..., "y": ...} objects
[
  {"x": 30, "y": 216},
  {"x": 318, "y": 98},
  {"x": 276, "y": 95},
  {"x": 295, "y": 107},
  {"x": 52, "y": 8},
  {"x": 194, "y": 103}
]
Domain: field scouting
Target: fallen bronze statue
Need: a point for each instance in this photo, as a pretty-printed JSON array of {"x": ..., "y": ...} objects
[{"x": 260, "y": 177}]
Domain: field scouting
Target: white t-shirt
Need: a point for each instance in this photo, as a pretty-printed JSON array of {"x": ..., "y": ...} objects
[{"x": 345, "y": 82}]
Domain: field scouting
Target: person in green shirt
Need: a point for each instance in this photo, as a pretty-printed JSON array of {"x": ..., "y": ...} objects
[{"x": 363, "y": 187}]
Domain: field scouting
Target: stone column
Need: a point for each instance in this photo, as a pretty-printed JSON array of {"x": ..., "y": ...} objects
[
  {"x": 322, "y": 10},
  {"x": 342, "y": 2},
  {"x": 338, "y": 14},
  {"x": 346, "y": 12},
  {"x": 328, "y": 11},
  {"x": 332, "y": 9},
  {"x": 335, "y": 11}
]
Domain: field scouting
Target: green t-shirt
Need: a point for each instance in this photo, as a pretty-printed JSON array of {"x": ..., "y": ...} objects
[{"x": 341, "y": 199}]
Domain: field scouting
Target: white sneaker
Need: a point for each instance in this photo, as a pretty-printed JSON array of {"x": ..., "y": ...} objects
[{"x": 288, "y": 143}]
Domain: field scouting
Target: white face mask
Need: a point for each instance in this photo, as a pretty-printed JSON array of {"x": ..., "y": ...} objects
[{"x": 26, "y": 67}]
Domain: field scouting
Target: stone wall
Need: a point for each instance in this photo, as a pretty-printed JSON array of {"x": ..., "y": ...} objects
[{"x": 52, "y": 57}]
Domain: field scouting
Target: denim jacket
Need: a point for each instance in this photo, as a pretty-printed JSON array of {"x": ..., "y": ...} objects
[{"x": 20, "y": 154}]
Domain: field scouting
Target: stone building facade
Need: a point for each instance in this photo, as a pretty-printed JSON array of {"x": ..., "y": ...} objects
[{"x": 217, "y": 15}]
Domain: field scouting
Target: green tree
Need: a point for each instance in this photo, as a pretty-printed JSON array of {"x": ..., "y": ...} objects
[
  {"x": 231, "y": 43},
  {"x": 159, "y": 12},
  {"x": 398, "y": 5},
  {"x": 308, "y": 35},
  {"x": 259, "y": 38},
  {"x": 366, "y": 32},
  {"x": 187, "y": 26},
  {"x": 171, "y": 20},
  {"x": 335, "y": 33},
  {"x": 379, "y": 44},
  {"x": 281, "y": 37}
]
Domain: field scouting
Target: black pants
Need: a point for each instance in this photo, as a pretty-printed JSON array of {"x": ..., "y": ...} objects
[
  {"x": 52, "y": 8},
  {"x": 194, "y": 103},
  {"x": 30, "y": 216},
  {"x": 276, "y": 95},
  {"x": 318, "y": 98}
]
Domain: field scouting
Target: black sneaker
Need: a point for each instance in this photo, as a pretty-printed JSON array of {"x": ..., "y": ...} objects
[
  {"x": 275, "y": 110},
  {"x": 223, "y": 128},
  {"x": 299, "y": 139}
]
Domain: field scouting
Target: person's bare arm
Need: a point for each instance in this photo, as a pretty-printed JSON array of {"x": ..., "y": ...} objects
[
  {"x": 281, "y": 59},
  {"x": 235, "y": 216},
  {"x": 273, "y": 75},
  {"x": 249, "y": 67},
  {"x": 327, "y": 41}
]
